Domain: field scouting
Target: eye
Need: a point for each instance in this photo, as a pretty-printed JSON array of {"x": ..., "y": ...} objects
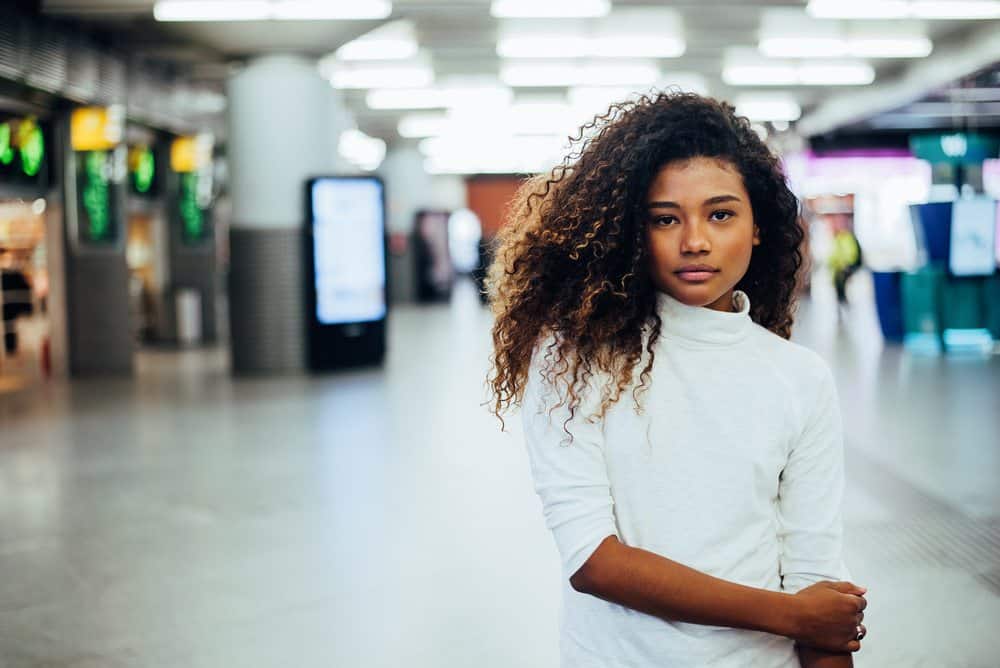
[
  {"x": 721, "y": 216},
  {"x": 663, "y": 221}
]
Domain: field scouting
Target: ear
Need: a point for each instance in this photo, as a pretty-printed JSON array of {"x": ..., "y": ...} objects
[{"x": 756, "y": 236}]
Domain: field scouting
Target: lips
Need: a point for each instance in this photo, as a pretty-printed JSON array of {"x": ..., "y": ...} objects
[{"x": 696, "y": 273}]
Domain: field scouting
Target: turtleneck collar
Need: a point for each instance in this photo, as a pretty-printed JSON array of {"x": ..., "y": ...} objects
[{"x": 704, "y": 325}]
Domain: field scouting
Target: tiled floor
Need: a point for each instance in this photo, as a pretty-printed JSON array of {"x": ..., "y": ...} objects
[{"x": 381, "y": 519}]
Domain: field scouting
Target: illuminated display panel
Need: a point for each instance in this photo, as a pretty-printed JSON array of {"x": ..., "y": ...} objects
[
  {"x": 973, "y": 247},
  {"x": 348, "y": 229}
]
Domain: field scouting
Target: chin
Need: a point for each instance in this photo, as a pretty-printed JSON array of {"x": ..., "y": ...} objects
[{"x": 695, "y": 294}]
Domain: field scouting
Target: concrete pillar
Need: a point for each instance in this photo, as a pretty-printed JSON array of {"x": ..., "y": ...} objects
[{"x": 283, "y": 128}]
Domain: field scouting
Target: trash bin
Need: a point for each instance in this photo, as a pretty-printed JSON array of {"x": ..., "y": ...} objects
[
  {"x": 188, "y": 305},
  {"x": 888, "y": 303}
]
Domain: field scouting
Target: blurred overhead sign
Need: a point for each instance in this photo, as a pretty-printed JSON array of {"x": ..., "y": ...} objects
[
  {"x": 96, "y": 128},
  {"x": 960, "y": 147},
  {"x": 191, "y": 153}
]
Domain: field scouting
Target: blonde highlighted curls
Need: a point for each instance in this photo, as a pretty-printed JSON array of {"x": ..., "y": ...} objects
[{"x": 570, "y": 267}]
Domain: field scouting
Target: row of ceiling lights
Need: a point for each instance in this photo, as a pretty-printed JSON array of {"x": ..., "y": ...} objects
[
  {"x": 304, "y": 10},
  {"x": 598, "y": 63}
]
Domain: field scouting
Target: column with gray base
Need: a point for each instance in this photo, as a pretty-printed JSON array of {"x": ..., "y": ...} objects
[{"x": 283, "y": 128}]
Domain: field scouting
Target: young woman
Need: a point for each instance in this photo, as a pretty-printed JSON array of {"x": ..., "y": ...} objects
[{"x": 688, "y": 457}]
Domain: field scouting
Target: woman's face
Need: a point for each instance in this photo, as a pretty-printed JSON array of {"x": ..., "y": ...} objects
[{"x": 700, "y": 231}]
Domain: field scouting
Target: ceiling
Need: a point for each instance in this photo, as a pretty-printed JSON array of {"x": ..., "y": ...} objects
[{"x": 460, "y": 37}]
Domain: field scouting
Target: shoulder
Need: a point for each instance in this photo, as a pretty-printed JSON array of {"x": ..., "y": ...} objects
[{"x": 803, "y": 368}]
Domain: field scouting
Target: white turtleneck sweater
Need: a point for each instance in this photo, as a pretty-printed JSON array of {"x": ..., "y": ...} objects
[{"x": 735, "y": 468}]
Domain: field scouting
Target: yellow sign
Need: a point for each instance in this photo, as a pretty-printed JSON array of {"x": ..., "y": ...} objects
[
  {"x": 191, "y": 153},
  {"x": 96, "y": 128},
  {"x": 183, "y": 155}
]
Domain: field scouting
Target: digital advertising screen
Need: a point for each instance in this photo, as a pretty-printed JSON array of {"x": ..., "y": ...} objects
[
  {"x": 973, "y": 246},
  {"x": 348, "y": 229}
]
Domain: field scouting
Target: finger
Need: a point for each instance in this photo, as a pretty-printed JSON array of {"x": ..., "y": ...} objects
[
  {"x": 853, "y": 646},
  {"x": 848, "y": 588},
  {"x": 860, "y": 618},
  {"x": 862, "y": 603}
]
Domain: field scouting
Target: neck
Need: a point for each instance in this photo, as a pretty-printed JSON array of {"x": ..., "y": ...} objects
[{"x": 723, "y": 303}]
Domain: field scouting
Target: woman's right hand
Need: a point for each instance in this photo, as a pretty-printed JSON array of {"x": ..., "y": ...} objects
[{"x": 828, "y": 616}]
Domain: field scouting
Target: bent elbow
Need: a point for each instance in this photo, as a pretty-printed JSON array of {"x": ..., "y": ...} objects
[
  {"x": 587, "y": 579},
  {"x": 579, "y": 580}
]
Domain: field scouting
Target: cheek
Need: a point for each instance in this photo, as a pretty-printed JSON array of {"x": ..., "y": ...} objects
[
  {"x": 657, "y": 249},
  {"x": 741, "y": 244}
]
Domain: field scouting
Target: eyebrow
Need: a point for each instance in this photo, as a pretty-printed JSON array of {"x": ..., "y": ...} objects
[{"x": 718, "y": 199}]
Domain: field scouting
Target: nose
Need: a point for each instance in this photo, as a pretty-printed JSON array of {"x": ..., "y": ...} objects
[{"x": 694, "y": 240}]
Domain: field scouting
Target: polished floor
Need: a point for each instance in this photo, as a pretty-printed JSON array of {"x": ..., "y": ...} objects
[{"x": 380, "y": 518}]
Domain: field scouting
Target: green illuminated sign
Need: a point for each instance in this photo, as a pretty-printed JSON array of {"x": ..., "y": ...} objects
[
  {"x": 96, "y": 194},
  {"x": 96, "y": 204},
  {"x": 193, "y": 228},
  {"x": 31, "y": 143},
  {"x": 145, "y": 170},
  {"x": 6, "y": 150}
]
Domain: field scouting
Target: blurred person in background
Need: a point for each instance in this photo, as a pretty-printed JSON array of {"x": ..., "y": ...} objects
[
  {"x": 16, "y": 299},
  {"x": 688, "y": 456},
  {"x": 844, "y": 260}
]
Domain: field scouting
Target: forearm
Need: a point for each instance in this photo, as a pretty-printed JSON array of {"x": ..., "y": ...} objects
[
  {"x": 815, "y": 658},
  {"x": 658, "y": 586}
]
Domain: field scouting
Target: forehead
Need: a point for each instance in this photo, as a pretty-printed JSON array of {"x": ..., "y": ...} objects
[{"x": 696, "y": 177}]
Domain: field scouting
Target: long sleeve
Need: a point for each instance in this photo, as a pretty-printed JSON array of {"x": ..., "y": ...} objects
[
  {"x": 811, "y": 491},
  {"x": 570, "y": 476}
]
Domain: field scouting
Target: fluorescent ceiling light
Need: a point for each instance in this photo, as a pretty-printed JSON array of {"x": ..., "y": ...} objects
[
  {"x": 858, "y": 9},
  {"x": 382, "y": 49},
  {"x": 440, "y": 97},
  {"x": 807, "y": 73},
  {"x": 639, "y": 46},
  {"x": 493, "y": 153},
  {"x": 916, "y": 46},
  {"x": 544, "y": 46},
  {"x": 325, "y": 10},
  {"x": 768, "y": 108},
  {"x": 392, "y": 41},
  {"x": 802, "y": 47},
  {"x": 859, "y": 47},
  {"x": 213, "y": 10},
  {"x": 519, "y": 119},
  {"x": 381, "y": 76},
  {"x": 845, "y": 74},
  {"x": 549, "y": 8},
  {"x": 543, "y": 118},
  {"x": 566, "y": 46},
  {"x": 760, "y": 75},
  {"x": 262, "y": 10},
  {"x": 899, "y": 9},
  {"x": 956, "y": 9},
  {"x": 422, "y": 125},
  {"x": 571, "y": 74}
]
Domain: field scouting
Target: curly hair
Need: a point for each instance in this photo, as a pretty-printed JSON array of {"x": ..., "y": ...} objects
[{"x": 570, "y": 267}]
